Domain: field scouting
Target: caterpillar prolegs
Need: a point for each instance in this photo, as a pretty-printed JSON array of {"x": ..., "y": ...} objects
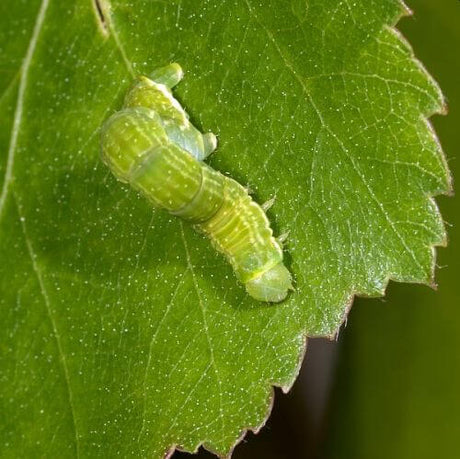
[{"x": 152, "y": 145}]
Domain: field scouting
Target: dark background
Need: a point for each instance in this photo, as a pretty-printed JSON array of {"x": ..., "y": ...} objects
[{"x": 390, "y": 386}]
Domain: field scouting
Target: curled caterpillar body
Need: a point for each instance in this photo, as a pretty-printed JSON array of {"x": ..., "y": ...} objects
[{"x": 152, "y": 145}]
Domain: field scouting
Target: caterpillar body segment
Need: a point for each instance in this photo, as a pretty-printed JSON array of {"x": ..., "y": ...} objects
[
  {"x": 152, "y": 145},
  {"x": 158, "y": 97}
]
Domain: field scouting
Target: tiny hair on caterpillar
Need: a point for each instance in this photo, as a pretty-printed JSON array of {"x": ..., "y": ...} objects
[{"x": 152, "y": 145}]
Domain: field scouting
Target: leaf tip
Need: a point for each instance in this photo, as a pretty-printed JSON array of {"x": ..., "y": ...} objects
[{"x": 405, "y": 10}]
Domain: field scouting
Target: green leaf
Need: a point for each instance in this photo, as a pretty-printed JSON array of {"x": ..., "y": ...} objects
[
  {"x": 124, "y": 332},
  {"x": 407, "y": 350}
]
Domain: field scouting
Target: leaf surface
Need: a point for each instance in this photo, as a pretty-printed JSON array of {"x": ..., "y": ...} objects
[
  {"x": 407, "y": 348},
  {"x": 124, "y": 332}
]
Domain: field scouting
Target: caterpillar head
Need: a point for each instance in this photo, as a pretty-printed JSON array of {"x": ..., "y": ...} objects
[
  {"x": 272, "y": 285},
  {"x": 126, "y": 136}
]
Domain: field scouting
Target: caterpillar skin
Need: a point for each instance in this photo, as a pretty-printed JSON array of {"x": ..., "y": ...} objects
[{"x": 152, "y": 145}]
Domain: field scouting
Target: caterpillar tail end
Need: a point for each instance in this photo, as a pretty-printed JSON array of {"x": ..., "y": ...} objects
[{"x": 271, "y": 286}]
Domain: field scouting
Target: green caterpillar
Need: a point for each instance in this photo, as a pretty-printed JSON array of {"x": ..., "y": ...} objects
[{"x": 152, "y": 145}]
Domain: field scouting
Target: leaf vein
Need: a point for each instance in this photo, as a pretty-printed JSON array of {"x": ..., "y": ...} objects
[
  {"x": 46, "y": 299},
  {"x": 206, "y": 328},
  {"x": 20, "y": 102}
]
